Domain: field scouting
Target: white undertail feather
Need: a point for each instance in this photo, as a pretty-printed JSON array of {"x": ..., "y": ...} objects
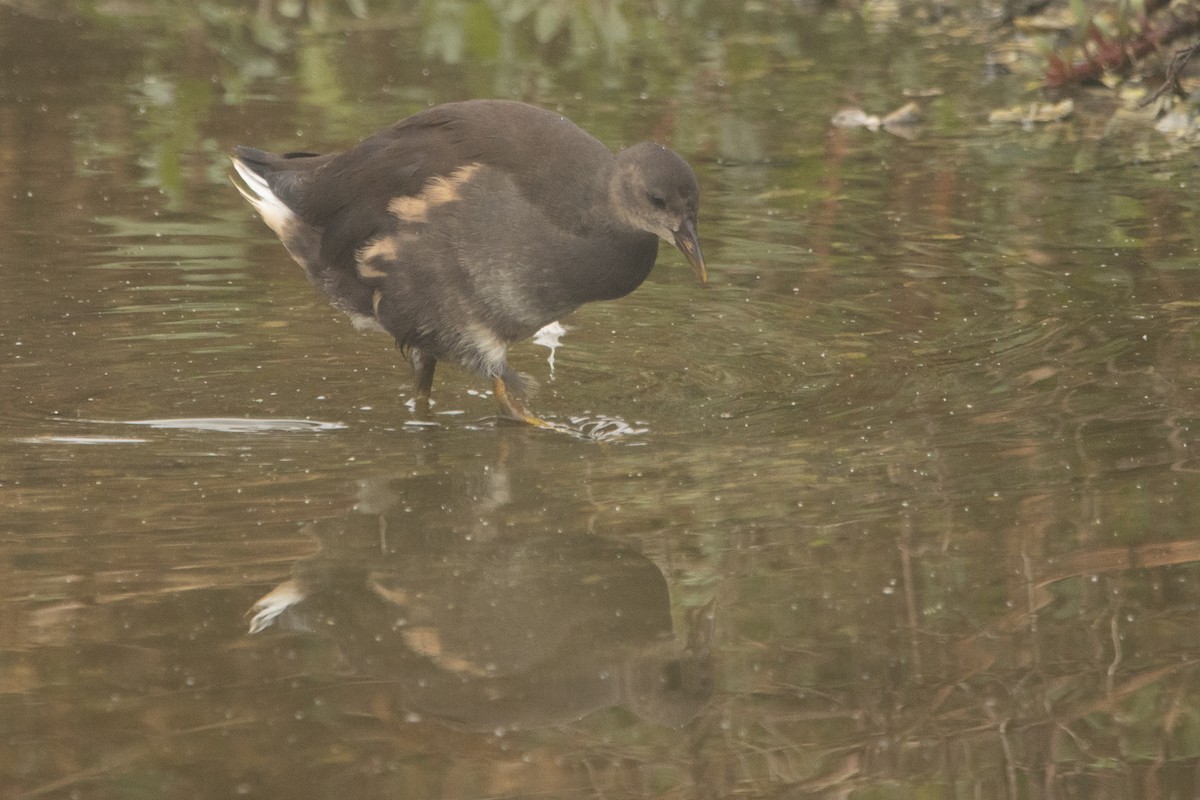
[
  {"x": 256, "y": 191},
  {"x": 362, "y": 322},
  {"x": 488, "y": 349}
]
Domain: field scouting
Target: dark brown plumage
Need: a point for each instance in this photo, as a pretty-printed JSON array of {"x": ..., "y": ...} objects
[{"x": 469, "y": 226}]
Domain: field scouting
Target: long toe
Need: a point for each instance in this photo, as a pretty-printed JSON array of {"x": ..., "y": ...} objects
[{"x": 513, "y": 406}]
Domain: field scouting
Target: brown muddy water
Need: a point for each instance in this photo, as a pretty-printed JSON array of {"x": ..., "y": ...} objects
[{"x": 904, "y": 504}]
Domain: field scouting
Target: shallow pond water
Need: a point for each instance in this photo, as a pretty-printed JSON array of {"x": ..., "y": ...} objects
[{"x": 903, "y": 504}]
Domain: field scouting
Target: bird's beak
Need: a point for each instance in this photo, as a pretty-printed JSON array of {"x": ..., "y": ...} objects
[{"x": 689, "y": 245}]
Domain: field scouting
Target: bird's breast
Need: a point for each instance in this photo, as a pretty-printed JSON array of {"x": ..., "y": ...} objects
[{"x": 612, "y": 266}]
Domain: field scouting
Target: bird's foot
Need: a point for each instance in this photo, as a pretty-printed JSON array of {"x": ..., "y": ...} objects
[
  {"x": 601, "y": 429},
  {"x": 514, "y": 407},
  {"x": 421, "y": 407}
]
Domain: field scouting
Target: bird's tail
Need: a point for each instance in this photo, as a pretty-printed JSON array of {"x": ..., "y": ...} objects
[{"x": 253, "y": 167}]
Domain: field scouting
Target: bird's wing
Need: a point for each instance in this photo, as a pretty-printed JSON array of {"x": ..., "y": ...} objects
[
  {"x": 351, "y": 197},
  {"x": 347, "y": 198},
  {"x": 354, "y": 196}
]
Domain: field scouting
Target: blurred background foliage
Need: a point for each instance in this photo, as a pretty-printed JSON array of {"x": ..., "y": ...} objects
[{"x": 711, "y": 77}]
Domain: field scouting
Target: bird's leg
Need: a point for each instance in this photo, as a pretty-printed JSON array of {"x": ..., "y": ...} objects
[
  {"x": 511, "y": 402},
  {"x": 423, "y": 365}
]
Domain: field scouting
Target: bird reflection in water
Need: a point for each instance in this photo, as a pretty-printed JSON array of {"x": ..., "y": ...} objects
[{"x": 512, "y": 633}]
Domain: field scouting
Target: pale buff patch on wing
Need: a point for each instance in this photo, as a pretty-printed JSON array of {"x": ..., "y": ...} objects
[
  {"x": 374, "y": 257},
  {"x": 384, "y": 247},
  {"x": 367, "y": 270},
  {"x": 436, "y": 192},
  {"x": 409, "y": 209}
]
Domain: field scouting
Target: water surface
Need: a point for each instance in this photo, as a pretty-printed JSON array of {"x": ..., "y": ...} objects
[{"x": 906, "y": 506}]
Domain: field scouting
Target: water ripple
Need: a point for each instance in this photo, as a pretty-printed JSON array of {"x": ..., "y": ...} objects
[{"x": 232, "y": 424}]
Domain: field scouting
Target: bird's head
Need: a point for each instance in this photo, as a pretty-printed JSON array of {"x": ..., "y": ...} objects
[{"x": 654, "y": 190}]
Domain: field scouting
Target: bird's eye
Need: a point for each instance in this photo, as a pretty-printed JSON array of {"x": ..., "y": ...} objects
[{"x": 656, "y": 201}]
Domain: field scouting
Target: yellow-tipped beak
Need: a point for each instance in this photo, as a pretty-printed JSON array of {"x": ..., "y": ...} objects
[{"x": 688, "y": 244}]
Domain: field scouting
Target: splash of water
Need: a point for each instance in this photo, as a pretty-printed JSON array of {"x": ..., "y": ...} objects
[{"x": 550, "y": 336}]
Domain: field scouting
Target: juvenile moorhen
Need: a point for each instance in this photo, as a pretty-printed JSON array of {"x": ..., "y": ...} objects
[{"x": 468, "y": 226}]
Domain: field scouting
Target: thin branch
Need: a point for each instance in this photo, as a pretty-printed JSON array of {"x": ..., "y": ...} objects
[{"x": 1171, "y": 83}]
